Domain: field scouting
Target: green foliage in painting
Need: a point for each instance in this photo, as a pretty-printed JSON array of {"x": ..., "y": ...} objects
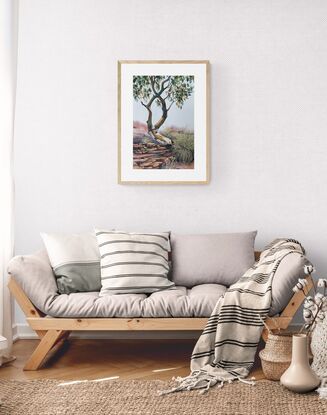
[
  {"x": 183, "y": 144},
  {"x": 174, "y": 89},
  {"x": 164, "y": 91}
]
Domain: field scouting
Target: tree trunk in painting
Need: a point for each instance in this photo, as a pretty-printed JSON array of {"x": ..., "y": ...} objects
[{"x": 160, "y": 90}]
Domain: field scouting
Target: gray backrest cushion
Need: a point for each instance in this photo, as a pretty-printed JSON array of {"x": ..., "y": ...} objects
[
  {"x": 211, "y": 258},
  {"x": 289, "y": 271}
]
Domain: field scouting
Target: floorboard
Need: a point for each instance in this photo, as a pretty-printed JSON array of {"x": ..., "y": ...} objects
[{"x": 81, "y": 359}]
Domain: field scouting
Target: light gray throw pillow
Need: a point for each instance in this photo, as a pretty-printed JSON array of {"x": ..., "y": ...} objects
[
  {"x": 211, "y": 258},
  {"x": 75, "y": 260}
]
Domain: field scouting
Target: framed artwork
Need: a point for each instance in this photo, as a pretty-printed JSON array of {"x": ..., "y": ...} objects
[{"x": 163, "y": 122}]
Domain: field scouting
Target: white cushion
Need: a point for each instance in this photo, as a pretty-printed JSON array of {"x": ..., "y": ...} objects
[
  {"x": 133, "y": 262},
  {"x": 75, "y": 260}
]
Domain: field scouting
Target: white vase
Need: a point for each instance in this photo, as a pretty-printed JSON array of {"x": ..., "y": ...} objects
[{"x": 299, "y": 377}]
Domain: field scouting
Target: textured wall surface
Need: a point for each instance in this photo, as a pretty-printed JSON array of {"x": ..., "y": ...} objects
[{"x": 268, "y": 109}]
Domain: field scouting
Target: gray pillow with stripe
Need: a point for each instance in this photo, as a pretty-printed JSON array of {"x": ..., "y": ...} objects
[
  {"x": 75, "y": 260},
  {"x": 133, "y": 262}
]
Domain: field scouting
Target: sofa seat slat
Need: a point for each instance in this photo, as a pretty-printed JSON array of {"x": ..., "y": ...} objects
[{"x": 117, "y": 324}]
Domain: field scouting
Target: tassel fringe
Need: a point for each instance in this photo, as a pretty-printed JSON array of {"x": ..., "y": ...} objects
[
  {"x": 322, "y": 392},
  {"x": 201, "y": 380}
]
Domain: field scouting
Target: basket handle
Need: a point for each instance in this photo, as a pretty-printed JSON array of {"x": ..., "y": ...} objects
[{"x": 266, "y": 325}]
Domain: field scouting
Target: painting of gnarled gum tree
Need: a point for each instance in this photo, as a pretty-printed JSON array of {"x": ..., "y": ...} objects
[{"x": 163, "y": 126}]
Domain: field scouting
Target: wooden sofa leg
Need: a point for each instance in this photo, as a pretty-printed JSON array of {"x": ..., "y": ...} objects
[{"x": 48, "y": 341}]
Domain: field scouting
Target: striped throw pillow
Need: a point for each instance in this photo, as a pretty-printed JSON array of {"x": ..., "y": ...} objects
[{"x": 133, "y": 262}]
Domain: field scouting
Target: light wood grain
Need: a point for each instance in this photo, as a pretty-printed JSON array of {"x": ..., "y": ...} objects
[
  {"x": 297, "y": 300},
  {"x": 99, "y": 359},
  {"x": 117, "y": 324},
  {"x": 24, "y": 302},
  {"x": 49, "y": 340}
]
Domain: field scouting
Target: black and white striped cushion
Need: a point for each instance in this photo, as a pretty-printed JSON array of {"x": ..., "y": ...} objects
[{"x": 133, "y": 262}]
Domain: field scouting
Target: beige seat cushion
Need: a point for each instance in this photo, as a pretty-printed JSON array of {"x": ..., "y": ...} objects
[{"x": 34, "y": 274}]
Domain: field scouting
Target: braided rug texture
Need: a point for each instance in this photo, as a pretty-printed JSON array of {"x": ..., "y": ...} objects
[{"x": 51, "y": 397}]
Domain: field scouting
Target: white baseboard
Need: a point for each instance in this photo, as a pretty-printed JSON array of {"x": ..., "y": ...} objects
[
  {"x": 14, "y": 333},
  {"x": 23, "y": 331}
]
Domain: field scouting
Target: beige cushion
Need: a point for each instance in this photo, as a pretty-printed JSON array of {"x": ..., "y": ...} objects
[
  {"x": 287, "y": 274},
  {"x": 75, "y": 260},
  {"x": 34, "y": 274},
  {"x": 180, "y": 302},
  {"x": 211, "y": 258}
]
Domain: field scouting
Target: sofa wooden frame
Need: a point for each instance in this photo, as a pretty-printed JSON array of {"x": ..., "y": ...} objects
[{"x": 52, "y": 332}]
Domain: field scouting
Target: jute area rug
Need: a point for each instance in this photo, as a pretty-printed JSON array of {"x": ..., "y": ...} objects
[{"x": 50, "y": 397}]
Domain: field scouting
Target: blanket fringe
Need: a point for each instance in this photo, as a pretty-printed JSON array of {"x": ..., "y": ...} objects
[
  {"x": 322, "y": 392},
  {"x": 251, "y": 381},
  {"x": 200, "y": 380}
]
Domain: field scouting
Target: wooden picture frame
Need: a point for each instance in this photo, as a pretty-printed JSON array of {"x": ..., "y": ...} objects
[{"x": 170, "y": 146}]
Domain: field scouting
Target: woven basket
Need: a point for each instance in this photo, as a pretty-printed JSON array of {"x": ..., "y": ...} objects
[{"x": 277, "y": 355}]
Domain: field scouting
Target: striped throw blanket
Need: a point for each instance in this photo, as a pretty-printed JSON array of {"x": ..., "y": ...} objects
[{"x": 226, "y": 349}]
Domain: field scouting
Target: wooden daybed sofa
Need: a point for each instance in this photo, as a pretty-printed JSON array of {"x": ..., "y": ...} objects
[{"x": 53, "y": 331}]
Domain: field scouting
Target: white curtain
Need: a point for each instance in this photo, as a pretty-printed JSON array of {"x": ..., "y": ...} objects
[{"x": 8, "y": 65}]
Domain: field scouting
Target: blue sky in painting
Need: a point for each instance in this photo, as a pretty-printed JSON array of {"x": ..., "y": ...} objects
[{"x": 182, "y": 118}]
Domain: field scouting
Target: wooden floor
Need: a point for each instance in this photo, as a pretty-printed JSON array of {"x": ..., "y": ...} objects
[{"x": 100, "y": 359}]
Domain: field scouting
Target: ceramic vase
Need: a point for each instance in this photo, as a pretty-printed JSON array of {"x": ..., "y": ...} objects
[{"x": 299, "y": 377}]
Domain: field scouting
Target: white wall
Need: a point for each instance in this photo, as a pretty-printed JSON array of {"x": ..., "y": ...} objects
[{"x": 269, "y": 117}]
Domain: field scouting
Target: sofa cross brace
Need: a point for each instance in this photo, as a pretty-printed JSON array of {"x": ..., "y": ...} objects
[{"x": 54, "y": 331}]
